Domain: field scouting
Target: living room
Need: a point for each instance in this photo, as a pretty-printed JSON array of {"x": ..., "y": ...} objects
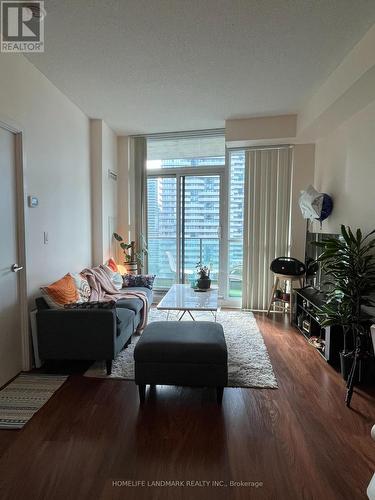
[{"x": 175, "y": 178}]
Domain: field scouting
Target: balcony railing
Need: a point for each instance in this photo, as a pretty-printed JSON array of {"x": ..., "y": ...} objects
[{"x": 162, "y": 260}]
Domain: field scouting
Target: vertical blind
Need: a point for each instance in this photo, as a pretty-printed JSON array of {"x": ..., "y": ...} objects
[
  {"x": 138, "y": 159},
  {"x": 266, "y": 220}
]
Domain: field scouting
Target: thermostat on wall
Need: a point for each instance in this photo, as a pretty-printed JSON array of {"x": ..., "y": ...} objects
[{"x": 32, "y": 201}]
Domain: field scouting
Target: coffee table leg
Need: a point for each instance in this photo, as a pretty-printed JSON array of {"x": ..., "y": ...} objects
[
  {"x": 182, "y": 315},
  {"x": 192, "y": 317},
  {"x": 214, "y": 314}
]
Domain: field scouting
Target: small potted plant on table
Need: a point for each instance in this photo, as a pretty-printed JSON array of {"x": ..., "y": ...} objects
[{"x": 204, "y": 281}]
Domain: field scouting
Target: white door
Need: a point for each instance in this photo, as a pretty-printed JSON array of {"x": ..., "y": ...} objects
[{"x": 10, "y": 311}]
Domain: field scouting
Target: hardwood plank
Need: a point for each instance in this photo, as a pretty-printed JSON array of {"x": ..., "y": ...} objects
[{"x": 299, "y": 441}]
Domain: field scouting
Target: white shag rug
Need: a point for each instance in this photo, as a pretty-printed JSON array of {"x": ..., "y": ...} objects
[{"x": 248, "y": 361}]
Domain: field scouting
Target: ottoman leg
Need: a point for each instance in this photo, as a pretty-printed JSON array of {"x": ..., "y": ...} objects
[
  {"x": 142, "y": 392},
  {"x": 219, "y": 394},
  {"x": 108, "y": 364}
]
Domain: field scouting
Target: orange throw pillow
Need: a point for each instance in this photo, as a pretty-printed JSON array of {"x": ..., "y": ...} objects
[
  {"x": 61, "y": 292},
  {"x": 112, "y": 264}
]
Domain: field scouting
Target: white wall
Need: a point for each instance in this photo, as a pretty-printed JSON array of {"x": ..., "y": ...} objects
[
  {"x": 347, "y": 90},
  {"x": 303, "y": 175},
  {"x": 260, "y": 130},
  {"x": 345, "y": 169},
  {"x": 109, "y": 149},
  {"x": 97, "y": 191},
  {"x": 103, "y": 151},
  {"x": 124, "y": 188},
  {"x": 57, "y": 170}
]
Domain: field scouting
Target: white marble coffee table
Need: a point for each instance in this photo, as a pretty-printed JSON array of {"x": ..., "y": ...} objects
[{"x": 184, "y": 299}]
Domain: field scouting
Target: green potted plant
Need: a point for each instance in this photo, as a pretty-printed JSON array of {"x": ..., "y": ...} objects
[
  {"x": 204, "y": 281},
  {"x": 132, "y": 260},
  {"x": 349, "y": 263}
]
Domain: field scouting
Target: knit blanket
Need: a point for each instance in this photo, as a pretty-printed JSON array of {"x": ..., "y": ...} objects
[{"x": 103, "y": 290}]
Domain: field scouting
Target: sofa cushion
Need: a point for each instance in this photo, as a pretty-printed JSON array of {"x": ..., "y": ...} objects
[
  {"x": 182, "y": 342},
  {"x": 112, "y": 265},
  {"x": 82, "y": 286},
  {"x": 147, "y": 291},
  {"x": 139, "y": 280},
  {"x": 133, "y": 303},
  {"x": 125, "y": 320},
  {"x": 60, "y": 292},
  {"x": 115, "y": 277}
]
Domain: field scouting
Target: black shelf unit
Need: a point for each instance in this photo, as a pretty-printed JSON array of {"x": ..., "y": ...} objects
[{"x": 328, "y": 341}]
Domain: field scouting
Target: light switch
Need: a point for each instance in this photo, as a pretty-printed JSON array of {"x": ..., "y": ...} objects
[
  {"x": 32, "y": 201},
  {"x": 45, "y": 237}
]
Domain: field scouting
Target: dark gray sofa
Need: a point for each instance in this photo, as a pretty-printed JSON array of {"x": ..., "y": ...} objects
[{"x": 87, "y": 334}]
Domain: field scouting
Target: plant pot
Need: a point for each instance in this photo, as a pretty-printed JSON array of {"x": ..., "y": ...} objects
[
  {"x": 204, "y": 283},
  {"x": 346, "y": 362},
  {"x": 131, "y": 267}
]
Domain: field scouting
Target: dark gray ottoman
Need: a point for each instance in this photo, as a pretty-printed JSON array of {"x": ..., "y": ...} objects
[{"x": 182, "y": 353}]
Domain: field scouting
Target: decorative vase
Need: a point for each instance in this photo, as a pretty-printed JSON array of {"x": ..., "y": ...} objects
[{"x": 204, "y": 283}]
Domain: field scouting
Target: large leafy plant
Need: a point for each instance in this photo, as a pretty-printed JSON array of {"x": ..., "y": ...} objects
[
  {"x": 130, "y": 255},
  {"x": 349, "y": 264}
]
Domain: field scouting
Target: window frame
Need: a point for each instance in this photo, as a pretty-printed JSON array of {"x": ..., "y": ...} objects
[
  {"x": 210, "y": 170},
  {"x": 224, "y": 171}
]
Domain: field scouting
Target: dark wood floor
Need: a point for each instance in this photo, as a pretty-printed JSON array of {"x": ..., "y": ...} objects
[{"x": 299, "y": 442}]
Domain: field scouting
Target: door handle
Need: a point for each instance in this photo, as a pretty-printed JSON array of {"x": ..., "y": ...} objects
[{"x": 16, "y": 268}]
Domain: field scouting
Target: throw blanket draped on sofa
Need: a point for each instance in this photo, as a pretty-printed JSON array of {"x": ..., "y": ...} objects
[{"x": 102, "y": 289}]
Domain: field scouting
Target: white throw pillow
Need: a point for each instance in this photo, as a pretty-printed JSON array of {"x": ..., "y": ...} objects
[{"x": 116, "y": 278}]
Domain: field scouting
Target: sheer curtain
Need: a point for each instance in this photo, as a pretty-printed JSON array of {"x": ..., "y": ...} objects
[
  {"x": 138, "y": 166},
  {"x": 266, "y": 220}
]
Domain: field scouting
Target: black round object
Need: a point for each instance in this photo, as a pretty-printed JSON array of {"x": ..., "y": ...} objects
[{"x": 288, "y": 266}]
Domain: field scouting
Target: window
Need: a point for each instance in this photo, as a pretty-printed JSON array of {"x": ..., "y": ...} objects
[
  {"x": 184, "y": 183},
  {"x": 186, "y": 216}
]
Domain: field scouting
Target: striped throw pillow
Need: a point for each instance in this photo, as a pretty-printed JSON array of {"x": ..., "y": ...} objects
[
  {"x": 82, "y": 286},
  {"x": 60, "y": 292}
]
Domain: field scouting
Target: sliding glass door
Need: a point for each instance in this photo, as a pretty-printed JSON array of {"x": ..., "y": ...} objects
[
  {"x": 162, "y": 230},
  {"x": 183, "y": 226},
  {"x": 200, "y": 225}
]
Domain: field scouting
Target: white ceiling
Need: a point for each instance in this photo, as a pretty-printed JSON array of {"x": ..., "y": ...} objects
[{"x": 167, "y": 65}]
